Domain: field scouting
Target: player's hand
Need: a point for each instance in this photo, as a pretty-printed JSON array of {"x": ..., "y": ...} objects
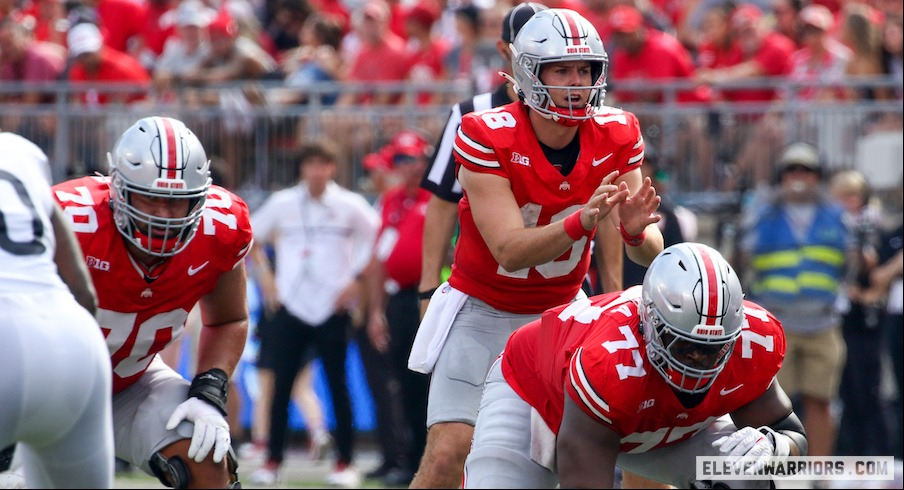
[
  {"x": 211, "y": 429},
  {"x": 604, "y": 198},
  {"x": 752, "y": 447},
  {"x": 639, "y": 210}
]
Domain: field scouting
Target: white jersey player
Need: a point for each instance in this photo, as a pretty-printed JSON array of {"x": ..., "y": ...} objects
[{"x": 55, "y": 384}]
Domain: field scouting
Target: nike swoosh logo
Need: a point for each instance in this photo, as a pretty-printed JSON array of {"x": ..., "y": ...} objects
[
  {"x": 597, "y": 163},
  {"x": 194, "y": 270},
  {"x": 724, "y": 392}
]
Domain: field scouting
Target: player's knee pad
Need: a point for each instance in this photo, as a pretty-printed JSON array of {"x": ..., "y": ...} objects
[{"x": 173, "y": 472}]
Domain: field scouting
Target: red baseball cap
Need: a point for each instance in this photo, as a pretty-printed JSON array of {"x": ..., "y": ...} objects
[
  {"x": 410, "y": 142},
  {"x": 625, "y": 18},
  {"x": 376, "y": 161},
  {"x": 422, "y": 14}
]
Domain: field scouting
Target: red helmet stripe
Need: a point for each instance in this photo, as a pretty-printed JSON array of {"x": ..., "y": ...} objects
[
  {"x": 170, "y": 162},
  {"x": 710, "y": 283},
  {"x": 571, "y": 24}
]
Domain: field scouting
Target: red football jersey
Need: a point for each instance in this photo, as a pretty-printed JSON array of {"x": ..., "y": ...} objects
[
  {"x": 500, "y": 141},
  {"x": 596, "y": 348},
  {"x": 140, "y": 318}
]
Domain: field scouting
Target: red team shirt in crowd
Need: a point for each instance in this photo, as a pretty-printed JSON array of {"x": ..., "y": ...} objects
[
  {"x": 596, "y": 348},
  {"x": 140, "y": 318},
  {"x": 115, "y": 66},
  {"x": 403, "y": 221},
  {"x": 772, "y": 57},
  {"x": 499, "y": 142},
  {"x": 662, "y": 56},
  {"x": 121, "y": 20}
]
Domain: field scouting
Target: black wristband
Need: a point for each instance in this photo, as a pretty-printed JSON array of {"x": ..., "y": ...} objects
[
  {"x": 426, "y": 294},
  {"x": 211, "y": 386}
]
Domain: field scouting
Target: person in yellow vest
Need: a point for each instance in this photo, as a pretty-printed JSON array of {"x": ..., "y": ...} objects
[{"x": 798, "y": 250}]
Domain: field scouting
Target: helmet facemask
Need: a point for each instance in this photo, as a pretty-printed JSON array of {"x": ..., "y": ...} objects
[
  {"x": 669, "y": 348},
  {"x": 540, "y": 99},
  {"x": 161, "y": 237}
]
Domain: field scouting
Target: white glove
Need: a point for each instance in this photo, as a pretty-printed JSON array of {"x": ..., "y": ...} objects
[
  {"x": 211, "y": 429},
  {"x": 752, "y": 447}
]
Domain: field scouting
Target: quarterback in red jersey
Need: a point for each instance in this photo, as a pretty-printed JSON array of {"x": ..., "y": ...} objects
[
  {"x": 158, "y": 238},
  {"x": 538, "y": 176},
  {"x": 647, "y": 379}
]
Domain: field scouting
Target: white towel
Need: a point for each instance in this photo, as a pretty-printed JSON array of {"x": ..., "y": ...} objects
[
  {"x": 434, "y": 328},
  {"x": 542, "y": 442}
]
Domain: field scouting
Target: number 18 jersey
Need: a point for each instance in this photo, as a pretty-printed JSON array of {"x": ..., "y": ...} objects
[{"x": 501, "y": 142}]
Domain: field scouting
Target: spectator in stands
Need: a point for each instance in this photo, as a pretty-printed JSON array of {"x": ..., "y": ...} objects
[
  {"x": 597, "y": 11},
  {"x": 784, "y": 14},
  {"x": 185, "y": 51},
  {"x": 796, "y": 252},
  {"x": 30, "y": 62},
  {"x": 285, "y": 26},
  {"x": 862, "y": 429},
  {"x": 100, "y": 75},
  {"x": 762, "y": 52},
  {"x": 122, "y": 22},
  {"x": 231, "y": 58},
  {"x": 379, "y": 57},
  {"x": 316, "y": 60},
  {"x": 641, "y": 54},
  {"x": 426, "y": 50},
  {"x": 892, "y": 62},
  {"x": 459, "y": 58},
  {"x": 248, "y": 24},
  {"x": 159, "y": 26},
  {"x": 323, "y": 237},
  {"x": 394, "y": 310},
  {"x": 48, "y": 18},
  {"x": 95, "y": 63},
  {"x": 821, "y": 61},
  {"x": 864, "y": 37}
]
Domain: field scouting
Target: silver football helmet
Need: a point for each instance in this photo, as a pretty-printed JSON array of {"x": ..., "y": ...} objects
[
  {"x": 692, "y": 312},
  {"x": 158, "y": 157},
  {"x": 551, "y": 36}
]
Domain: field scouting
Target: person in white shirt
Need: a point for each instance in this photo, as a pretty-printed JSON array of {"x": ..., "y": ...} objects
[{"x": 322, "y": 236}]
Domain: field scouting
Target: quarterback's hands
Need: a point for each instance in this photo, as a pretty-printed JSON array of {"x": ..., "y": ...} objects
[
  {"x": 752, "y": 446},
  {"x": 211, "y": 429},
  {"x": 604, "y": 198}
]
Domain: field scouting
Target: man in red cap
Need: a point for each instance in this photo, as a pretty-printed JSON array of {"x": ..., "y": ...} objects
[{"x": 393, "y": 307}]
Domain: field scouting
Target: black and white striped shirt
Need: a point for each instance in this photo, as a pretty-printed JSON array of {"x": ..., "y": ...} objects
[{"x": 440, "y": 177}]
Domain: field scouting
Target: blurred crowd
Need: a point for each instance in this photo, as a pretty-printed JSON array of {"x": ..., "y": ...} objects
[{"x": 352, "y": 53}]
